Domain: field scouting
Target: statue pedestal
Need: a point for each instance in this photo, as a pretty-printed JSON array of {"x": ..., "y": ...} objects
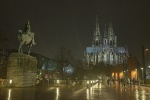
[{"x": 21, "y": 69}]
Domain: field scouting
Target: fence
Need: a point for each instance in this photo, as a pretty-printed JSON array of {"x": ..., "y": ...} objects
[
  {"x": 69, "y": 83},
  {"x": 4, "y": 82},
  {"x": 73, "y": 83}
]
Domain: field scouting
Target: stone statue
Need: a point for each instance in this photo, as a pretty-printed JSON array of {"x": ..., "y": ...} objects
[{"x": 26, "y": 37}]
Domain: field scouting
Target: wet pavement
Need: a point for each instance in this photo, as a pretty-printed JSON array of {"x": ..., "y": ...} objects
[{"x": 96, "y": 92}]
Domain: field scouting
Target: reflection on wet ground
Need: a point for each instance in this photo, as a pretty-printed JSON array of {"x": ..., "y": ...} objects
[{"x": 96, "y": 92}]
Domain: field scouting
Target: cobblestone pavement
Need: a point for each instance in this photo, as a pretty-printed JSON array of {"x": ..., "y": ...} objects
[{"x": 96, "y": 92}]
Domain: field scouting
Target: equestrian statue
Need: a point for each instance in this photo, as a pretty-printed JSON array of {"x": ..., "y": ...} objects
[{"x": 26, "y": 37}]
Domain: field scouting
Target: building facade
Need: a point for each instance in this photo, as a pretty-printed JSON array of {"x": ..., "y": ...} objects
[{"x": 104, "y": 48}]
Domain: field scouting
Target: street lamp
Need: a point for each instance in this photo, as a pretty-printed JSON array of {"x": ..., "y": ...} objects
[
  {"x": 146, "y": 50},
  {"x": 136, "y": 74},
  {"x": 143, "y": 61},
  {"x": 142, "y": 72}
]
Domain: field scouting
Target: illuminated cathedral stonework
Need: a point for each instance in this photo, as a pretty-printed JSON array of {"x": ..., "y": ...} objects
[{"x": 104, "y": 49}]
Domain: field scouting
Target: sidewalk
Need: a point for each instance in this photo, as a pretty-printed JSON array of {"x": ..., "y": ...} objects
[{"x": 147, "y": 85}]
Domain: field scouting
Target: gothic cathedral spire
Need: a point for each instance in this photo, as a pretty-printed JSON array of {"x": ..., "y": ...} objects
[
  {"x": 97, "y": 31},
  {"x": 111, "y": 36},
  {"x": 105, "y": 32},
  {"x": 97, "y": 39},
  {"x": 110, "y": 29}
]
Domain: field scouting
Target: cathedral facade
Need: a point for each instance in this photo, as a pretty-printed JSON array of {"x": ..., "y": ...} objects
[{"x": 104, "y": 48}]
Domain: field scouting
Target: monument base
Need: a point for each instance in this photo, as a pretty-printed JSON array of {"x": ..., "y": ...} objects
[{"x": 21, "y": 70}]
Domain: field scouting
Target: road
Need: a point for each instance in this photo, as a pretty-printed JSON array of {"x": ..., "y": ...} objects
[{"x": 96, "y": 92}]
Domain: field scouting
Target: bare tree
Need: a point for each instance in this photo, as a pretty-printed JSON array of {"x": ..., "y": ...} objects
[
  {"x": 4, "y": 40},
  {"x": 63, "y": 58},
  {"x": 4, "y": 44},
  {"x": 79, "y": 72}
]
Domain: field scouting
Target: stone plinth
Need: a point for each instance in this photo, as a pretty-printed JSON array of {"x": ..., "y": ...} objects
[{"x": 21, "y": 69}]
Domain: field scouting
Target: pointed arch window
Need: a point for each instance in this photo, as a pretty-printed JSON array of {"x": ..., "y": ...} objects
[
  {"x": 105, "y": 41},
  {"x": 111, "y": 43}
]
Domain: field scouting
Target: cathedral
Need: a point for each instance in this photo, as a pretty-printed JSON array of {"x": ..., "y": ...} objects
[{"x": 104, "y": 48}]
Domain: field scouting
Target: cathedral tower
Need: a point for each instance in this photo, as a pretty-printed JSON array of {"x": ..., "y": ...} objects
[
  {"x": 97, "y": 38},
  {"x": 104, "y": 49}
]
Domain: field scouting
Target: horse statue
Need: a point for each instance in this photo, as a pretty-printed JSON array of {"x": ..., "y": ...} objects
[{"x": 26, "y": 37}]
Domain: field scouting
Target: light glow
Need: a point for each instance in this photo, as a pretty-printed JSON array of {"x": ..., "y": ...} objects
[
  {"x": 10, "y": 81},
  {"x": 57, "y": 93},
  {"x": 57, "y": 81},
  {"x": 87, "y": 94},
  {"x": 9, "y": 94},
  {"x": 141, "y": 68},
  {"x": 87, "y": 82}
]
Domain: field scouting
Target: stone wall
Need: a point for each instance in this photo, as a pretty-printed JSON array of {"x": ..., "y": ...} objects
[{"x": 21, "y": 69}]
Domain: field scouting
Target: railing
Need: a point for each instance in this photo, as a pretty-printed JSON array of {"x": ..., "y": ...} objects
[
  {"x": 147, "y": 81},
  {"x": 4, "y": 82},
  {"x": 72, "y": 83},
  {"x": 55, "y": 82}
]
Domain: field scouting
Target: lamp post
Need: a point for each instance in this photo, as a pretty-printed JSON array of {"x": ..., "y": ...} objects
[
  {"x": 142, "y": 72},
  {"x": 125, "y": 74},
  {"x": 143, "y": 61},
  {"x": 136, "y": 74}
]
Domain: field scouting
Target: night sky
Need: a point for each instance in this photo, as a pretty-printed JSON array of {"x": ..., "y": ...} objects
[{"x": 71, "y": 23}]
